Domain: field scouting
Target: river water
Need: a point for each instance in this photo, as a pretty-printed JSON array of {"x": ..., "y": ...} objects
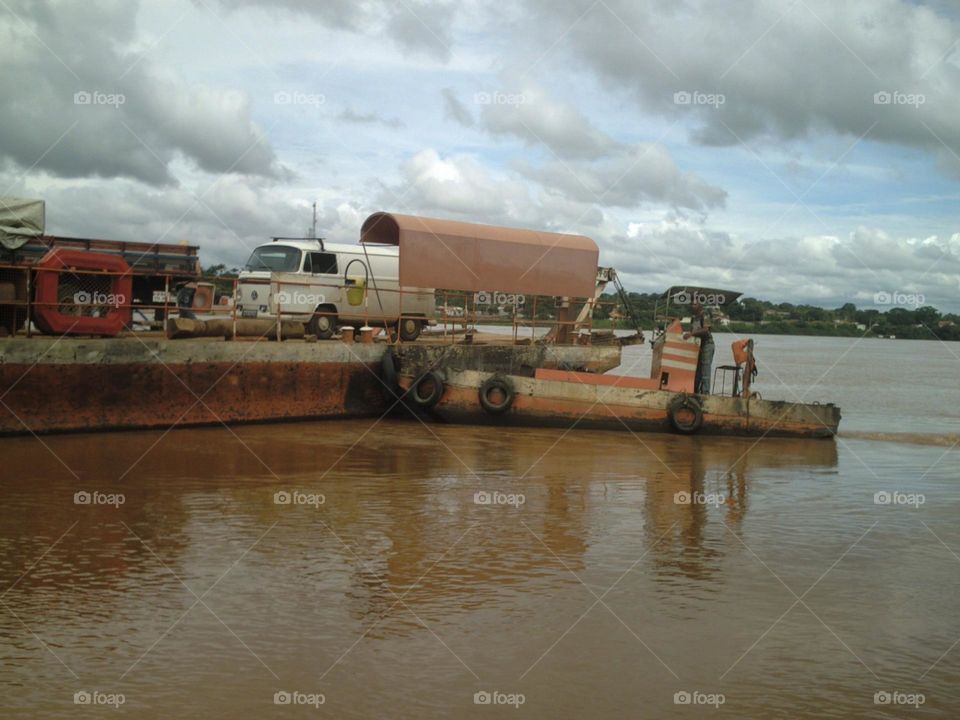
[{"x": 589, "y": 586}]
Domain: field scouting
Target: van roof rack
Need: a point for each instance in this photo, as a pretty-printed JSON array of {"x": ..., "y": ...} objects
[{"x": 317, "y": 239}]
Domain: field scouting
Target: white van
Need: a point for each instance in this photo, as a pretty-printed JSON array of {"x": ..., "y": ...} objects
[{"x": 326, "y": 284}]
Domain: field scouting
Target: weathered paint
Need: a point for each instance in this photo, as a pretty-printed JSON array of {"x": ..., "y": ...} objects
[
  {"x": 70, "y": 384},
  {"x": 511, "y": 359},
  {"x": 559, "y": 403},
  {"x": 674, "y": 362},
  {"x": 623, "y": 381}
]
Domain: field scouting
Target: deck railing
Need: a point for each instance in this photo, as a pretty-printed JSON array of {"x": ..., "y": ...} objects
[{"x": 457, "y": 316}]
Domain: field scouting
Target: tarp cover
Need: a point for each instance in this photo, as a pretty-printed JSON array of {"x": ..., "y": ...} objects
[
  {"x": 466, "y": 256},
  {"x": 20, "y": 220}
]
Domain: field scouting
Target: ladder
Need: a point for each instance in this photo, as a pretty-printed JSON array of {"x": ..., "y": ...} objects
[{"x": 625, "y": 301}]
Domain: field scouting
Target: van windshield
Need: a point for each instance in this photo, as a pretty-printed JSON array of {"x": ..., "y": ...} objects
[{"x": 276, "y": 258}]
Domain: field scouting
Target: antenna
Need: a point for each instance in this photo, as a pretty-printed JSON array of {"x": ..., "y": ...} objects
[{"x": 313, "y": 228}]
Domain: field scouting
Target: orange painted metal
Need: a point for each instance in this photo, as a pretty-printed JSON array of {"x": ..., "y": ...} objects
[
  {"x": 623, "y": 381},
  {"x": 468, "y": 256},
  {"x": 56, "y": 266},
  {"x": 723, "y": 416},
  {"x": 674, "y": 364}
]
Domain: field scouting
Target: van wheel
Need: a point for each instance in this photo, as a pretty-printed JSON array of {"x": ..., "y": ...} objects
[
  {"x": 410, "y": 329},
  {"x": 323, "y": 326}
]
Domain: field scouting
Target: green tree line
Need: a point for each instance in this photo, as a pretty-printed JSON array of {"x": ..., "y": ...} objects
[{"x": 752, "y": 315}]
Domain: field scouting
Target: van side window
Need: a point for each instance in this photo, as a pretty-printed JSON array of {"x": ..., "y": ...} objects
[
  {"x": 307, "y": 262},
  {"x": 322, "y": 262}
]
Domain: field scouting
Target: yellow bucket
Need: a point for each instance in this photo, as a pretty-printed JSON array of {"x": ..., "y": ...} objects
[{"x": 357, "y": 291}]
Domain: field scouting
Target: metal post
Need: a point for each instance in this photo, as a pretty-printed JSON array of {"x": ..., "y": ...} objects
[
  {"x": 279, "y": 314},
  {"x": 534, "y": 319},
  {"x": 400, "y": 320},
  {"x": 166, "y": 302},
  {"x": 234, "y": 308},
  {"x": 29, "y": 304}
]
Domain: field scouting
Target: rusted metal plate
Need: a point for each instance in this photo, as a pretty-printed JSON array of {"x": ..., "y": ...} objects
[
  {"x": 52, "y": 398},
  {"x": 71, "y": 384}
]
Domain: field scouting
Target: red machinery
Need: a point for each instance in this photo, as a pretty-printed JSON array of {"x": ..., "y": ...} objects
[{"x": 82, "y": 293}]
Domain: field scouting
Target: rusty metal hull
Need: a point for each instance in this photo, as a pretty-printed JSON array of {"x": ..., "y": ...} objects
[
  {"x": 77, "y": 398},
  {"x": 550, "y": 403},
  {"x": 77, "y": 385}
]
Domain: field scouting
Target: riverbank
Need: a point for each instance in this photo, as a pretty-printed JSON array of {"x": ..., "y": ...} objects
[{"x": 820, "y": 329}]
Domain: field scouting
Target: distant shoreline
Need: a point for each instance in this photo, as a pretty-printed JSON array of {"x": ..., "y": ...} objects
[{"x": 806, "y": 330}]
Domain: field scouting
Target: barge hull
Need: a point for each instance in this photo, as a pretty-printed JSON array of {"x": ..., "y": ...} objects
[
  {"x": 545, "y": 403},
  {"x": 74, "y": 385}
]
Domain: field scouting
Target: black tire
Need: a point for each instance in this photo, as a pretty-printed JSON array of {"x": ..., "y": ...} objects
[
  {"x": 410, "y": 329},
  {"x": 506, "y": 389},
  {"x": 388, "y": 374},
  {"x": 323, "y": 326},
  {"x": 679, "y": 410},
  {"x": 433, "y": 381}
]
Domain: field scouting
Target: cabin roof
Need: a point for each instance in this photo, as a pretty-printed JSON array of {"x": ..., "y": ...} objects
[{"x": 468, "y": 256}]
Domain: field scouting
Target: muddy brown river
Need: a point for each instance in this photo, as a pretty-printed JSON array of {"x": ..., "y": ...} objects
[{"x": 387, "y": 568}]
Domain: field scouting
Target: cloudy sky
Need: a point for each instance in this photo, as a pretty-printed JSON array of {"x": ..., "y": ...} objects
[{"x": 801, "y": 150}]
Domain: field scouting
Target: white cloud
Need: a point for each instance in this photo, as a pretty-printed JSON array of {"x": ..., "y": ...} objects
[
  {"x": 76, "y": 104},
  {"x": 785, "y": 69},
  {"x": 815, "y": 268}
]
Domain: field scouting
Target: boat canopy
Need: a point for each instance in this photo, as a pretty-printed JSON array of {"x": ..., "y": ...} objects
[
  {"x": 466, "y": 256},
  {"x": 686, "y": 294}
]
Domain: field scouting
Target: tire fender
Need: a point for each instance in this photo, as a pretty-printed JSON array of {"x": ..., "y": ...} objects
[
  {"x": 678, "y": 410},
  {"x": 435, "y": 381},
  {"x": 388, "y": 374},
  {"x": 496, "y": 382}
]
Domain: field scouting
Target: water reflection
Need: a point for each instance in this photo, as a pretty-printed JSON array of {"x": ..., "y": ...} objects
[
  {"x": 399, "y": 543},
  {"x": 701, "y": 494},
  {"x": 395, "y": 506}
]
